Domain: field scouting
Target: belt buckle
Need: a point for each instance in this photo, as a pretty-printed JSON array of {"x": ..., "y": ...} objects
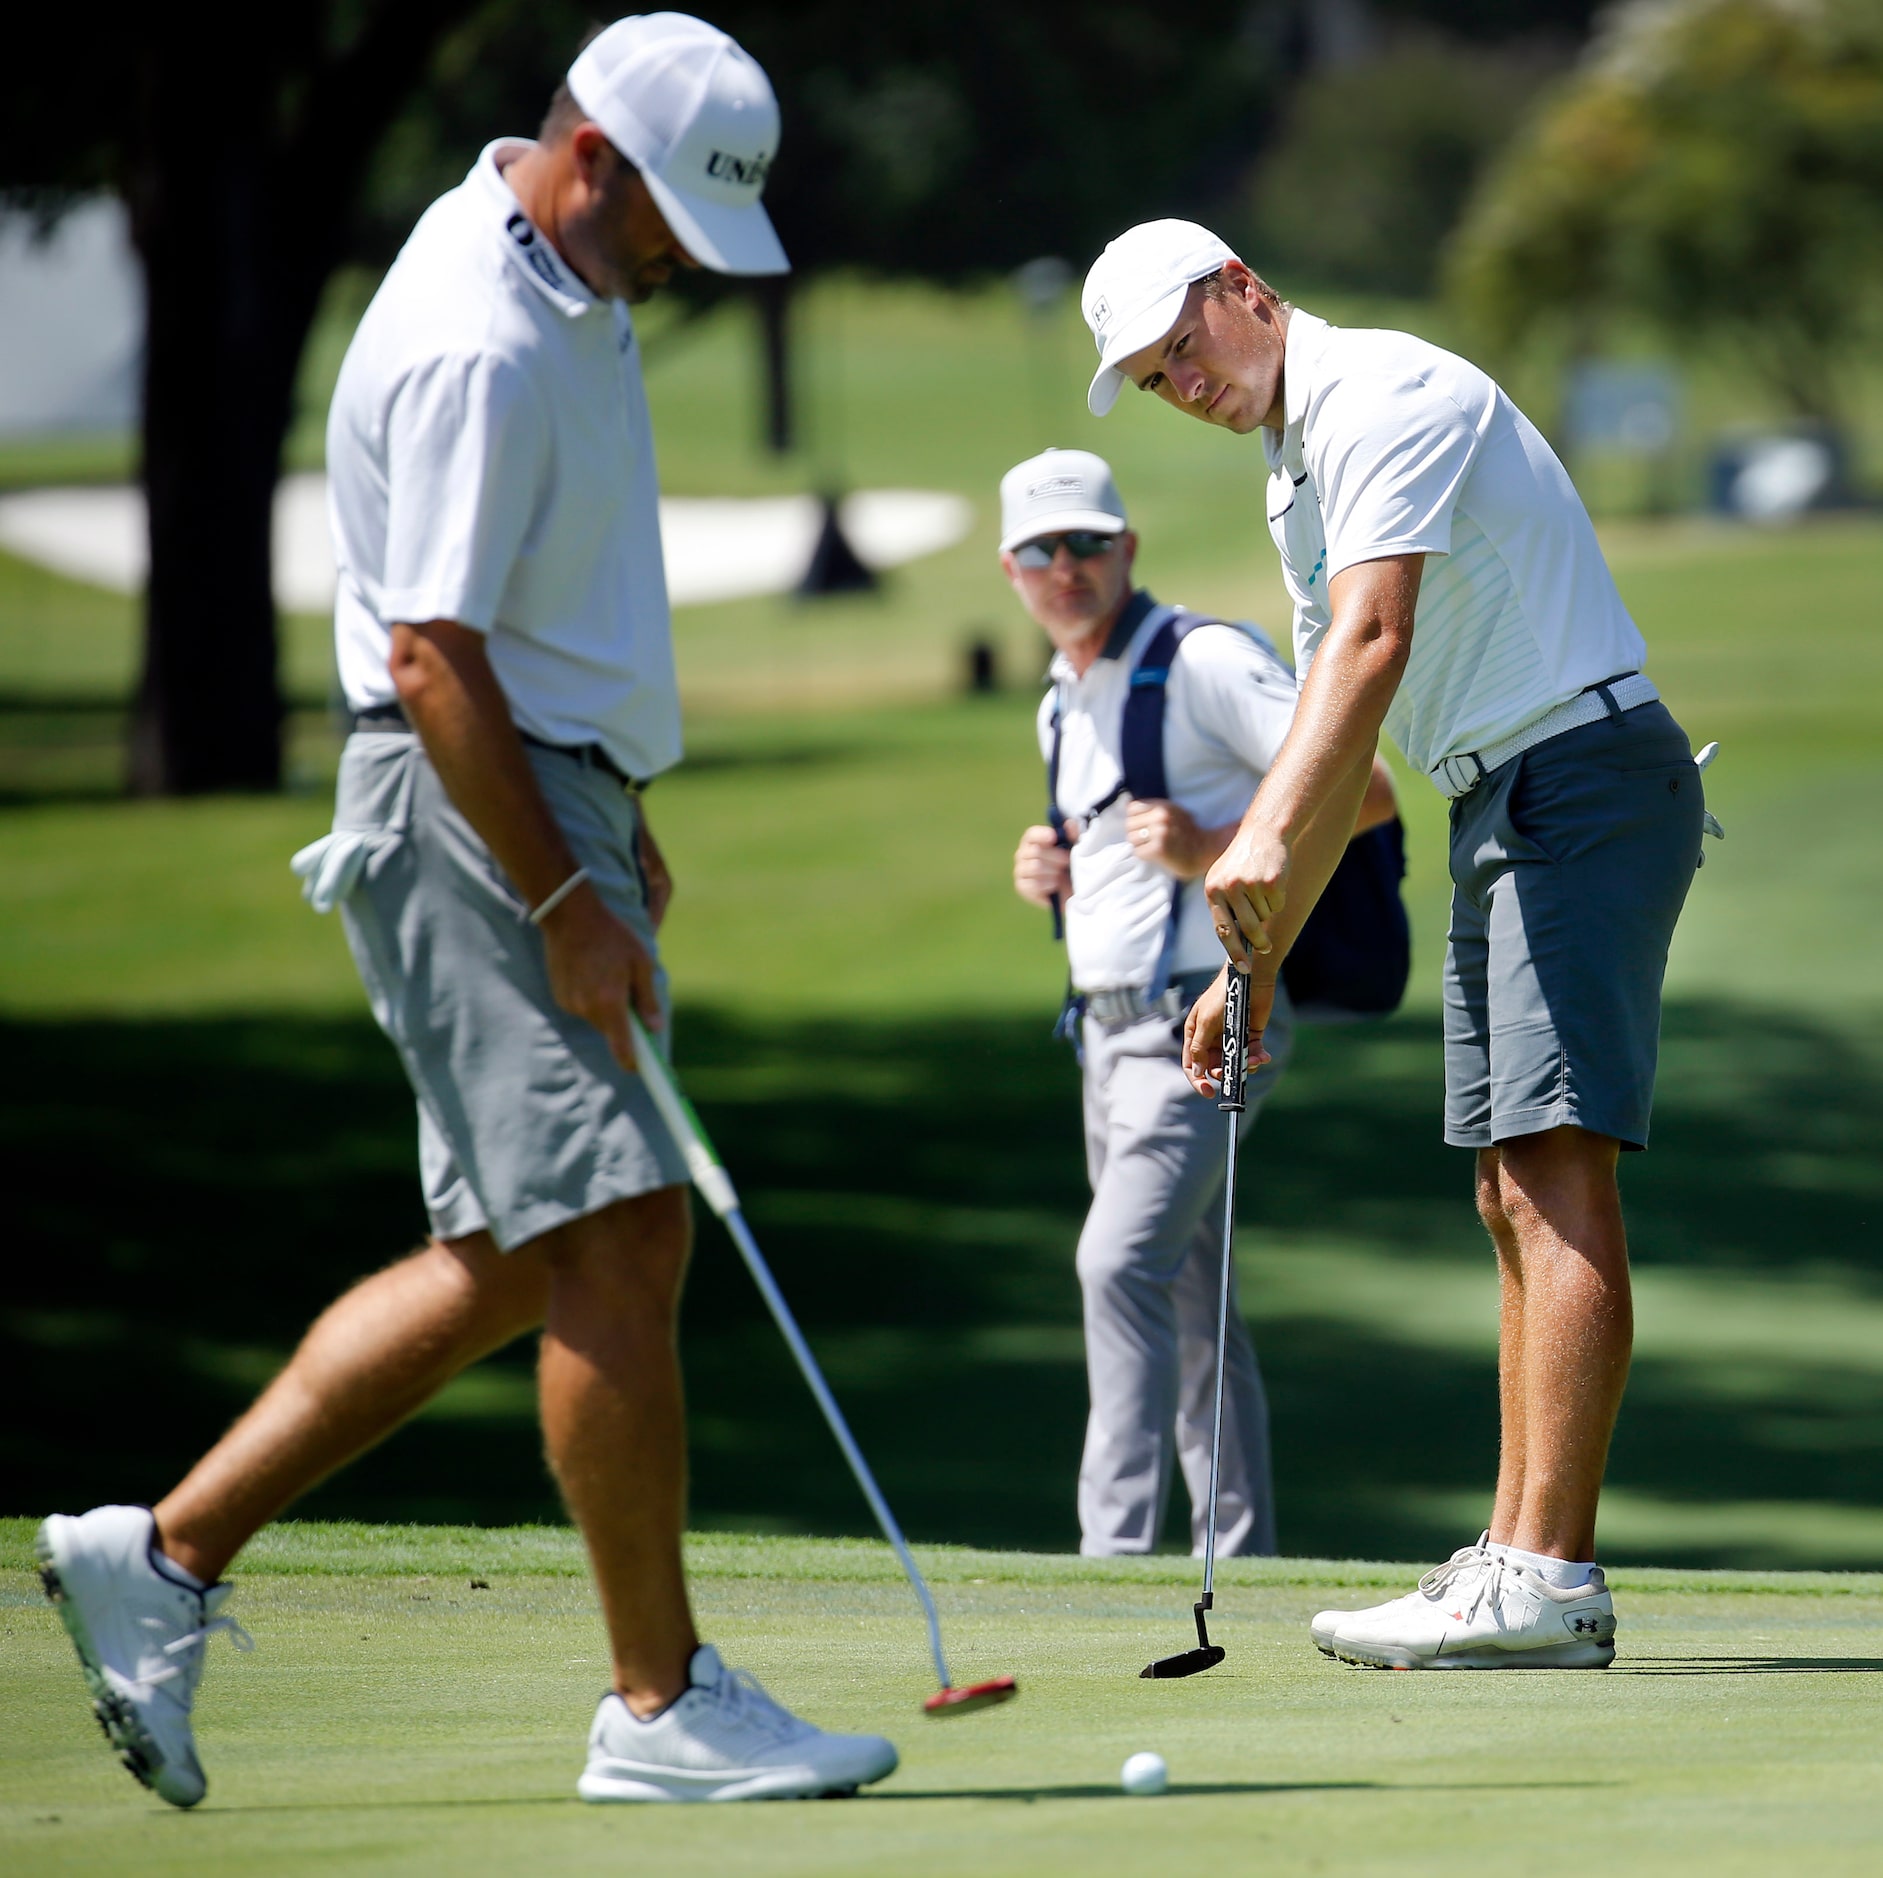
[{"x": 1456, "y": 787}]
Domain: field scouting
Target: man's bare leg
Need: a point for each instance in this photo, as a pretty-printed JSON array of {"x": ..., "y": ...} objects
[
  {"x": 614, "y": 1424},
  {"x": 377, "y": 1354},
  {"x": 1553, "y": 1198},
  {"x": 609, "y": 1287},
  {"x": 1510, "y": 1384}
]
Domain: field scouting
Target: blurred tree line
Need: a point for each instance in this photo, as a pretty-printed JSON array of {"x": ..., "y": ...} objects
[
  {"x": 260, "y": 148},
  {"x": 1713, "y": 169}
]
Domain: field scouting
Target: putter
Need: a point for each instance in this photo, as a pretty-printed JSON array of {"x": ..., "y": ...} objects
[
  {"x": 716, "y": 1189},
  {"x": 1207, "y": 1655}
]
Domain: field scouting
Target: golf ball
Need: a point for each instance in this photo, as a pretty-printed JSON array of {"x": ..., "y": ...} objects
[{"x": 1145, "y": 1773}]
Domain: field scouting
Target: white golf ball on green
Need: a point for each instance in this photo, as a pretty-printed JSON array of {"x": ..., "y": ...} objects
[{"x": 1144, "y": 1773}]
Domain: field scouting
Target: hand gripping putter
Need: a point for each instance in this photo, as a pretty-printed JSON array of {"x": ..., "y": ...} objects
[
  {"x": 1235, "y": 1072},
  {"x": 716, "y": 1189}
]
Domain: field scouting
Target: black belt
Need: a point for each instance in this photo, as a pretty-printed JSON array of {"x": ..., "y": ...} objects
[{"x": 383, "y": 717}]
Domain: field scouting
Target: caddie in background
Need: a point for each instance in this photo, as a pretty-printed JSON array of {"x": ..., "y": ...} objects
[
  {"x": 1157, "y": 728},
  {"x": 1448, "y": 587},
  {"x": 505, "y": 649}
]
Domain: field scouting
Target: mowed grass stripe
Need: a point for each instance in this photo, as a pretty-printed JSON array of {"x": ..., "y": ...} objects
[{"x": 399, "y": 1720}]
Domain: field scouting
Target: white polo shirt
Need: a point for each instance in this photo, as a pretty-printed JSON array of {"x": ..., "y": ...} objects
[
  {"x": 490, "y": 460},
  {"x": 1393, "y": 446},
  {"x": 1227, "y": 707}
]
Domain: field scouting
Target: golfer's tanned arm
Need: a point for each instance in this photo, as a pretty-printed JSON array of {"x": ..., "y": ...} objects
[
  {"x": 597, "y": 968},
  {"x": 1265, "y": 884}
]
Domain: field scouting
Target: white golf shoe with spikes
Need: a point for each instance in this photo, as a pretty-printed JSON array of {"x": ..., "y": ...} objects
[{"x": 139, "y": 1634}]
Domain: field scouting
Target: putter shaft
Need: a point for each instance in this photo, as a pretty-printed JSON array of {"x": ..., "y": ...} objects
[{"x": 716, "y": 1188}]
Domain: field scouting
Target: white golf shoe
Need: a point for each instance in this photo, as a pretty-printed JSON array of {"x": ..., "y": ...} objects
[
  {"x": 724, "y": 1739},
  {"x": 139, "y": 1634},
  {"x": 1325, "y": 1624},
  {"x": 1484, "y": 1613}
]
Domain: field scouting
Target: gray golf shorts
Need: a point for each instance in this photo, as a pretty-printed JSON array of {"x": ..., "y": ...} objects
[
  {"x": 1569, "y": 867},
  {"x": 525, "y": 1121}
]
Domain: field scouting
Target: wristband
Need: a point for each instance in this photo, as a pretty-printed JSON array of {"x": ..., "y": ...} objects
[{"x": 541, "y": 913}]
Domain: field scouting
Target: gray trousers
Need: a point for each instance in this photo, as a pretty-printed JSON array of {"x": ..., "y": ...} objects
[{"x": 1150, "y": 1265}]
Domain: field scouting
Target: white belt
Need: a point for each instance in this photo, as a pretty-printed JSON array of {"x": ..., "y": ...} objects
[{"x": 1459, "y": 775}]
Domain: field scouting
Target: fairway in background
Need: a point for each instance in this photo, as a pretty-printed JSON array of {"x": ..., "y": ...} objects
[{"x": 195, "y": 1089}]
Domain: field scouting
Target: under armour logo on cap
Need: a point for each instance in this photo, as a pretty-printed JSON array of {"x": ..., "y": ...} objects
[{"x": 1136, "y": 290}]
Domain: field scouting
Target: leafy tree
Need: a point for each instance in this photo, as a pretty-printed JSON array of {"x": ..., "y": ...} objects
[{"x": 1715, "y": 167}]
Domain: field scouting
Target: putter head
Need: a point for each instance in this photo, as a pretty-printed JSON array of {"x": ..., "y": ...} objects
[
  {"x": 1185, "y": 1663},
  {"x": 975, "y": 1695}
]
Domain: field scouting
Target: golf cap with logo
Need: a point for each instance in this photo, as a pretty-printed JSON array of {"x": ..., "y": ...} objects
[
  {"x": 1056, "y": 491},
  {"x": 1135, "y": 291},
  {"x": 693, "y": 111}
]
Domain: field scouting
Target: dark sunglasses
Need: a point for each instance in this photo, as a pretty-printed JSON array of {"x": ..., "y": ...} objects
[{"x": 1081, "y": 543}]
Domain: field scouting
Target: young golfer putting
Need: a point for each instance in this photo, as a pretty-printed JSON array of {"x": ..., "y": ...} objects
[
  {"x": 504, "y": 643},
  {"x": 1124, "y": 858},
  {"x": 1448, "y": 588}
]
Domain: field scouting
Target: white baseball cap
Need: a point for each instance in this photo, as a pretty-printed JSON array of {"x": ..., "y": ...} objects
[
  {"x": 1055, "y": 491},
  {"x": 693, "y": 111},
  {"x": 1135, "y": 291}
]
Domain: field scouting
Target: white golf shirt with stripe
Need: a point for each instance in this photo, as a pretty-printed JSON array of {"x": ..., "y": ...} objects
[
  {"x": 1392, "y": 447},
  {"x": 1228, "y": 704},
  {"x": 491, "y": 461}
]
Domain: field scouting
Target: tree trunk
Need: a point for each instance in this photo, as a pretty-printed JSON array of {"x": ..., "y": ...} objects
[
  {"x": 773, "y": 294},
  {"x": 218, "y": 381},
  {"x": 240, "y": 189}
]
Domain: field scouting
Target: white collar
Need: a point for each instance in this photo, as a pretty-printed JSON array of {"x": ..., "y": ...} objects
[
  {"x": 1301, "y": 352},
  {"x": 530, "y": 251},
  {"x": 1125, "y": 636}
]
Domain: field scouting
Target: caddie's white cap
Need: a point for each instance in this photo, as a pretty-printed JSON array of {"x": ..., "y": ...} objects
[
  {"x": 693, "y": 111},
  {"x": 1055, "y": 491},
  {"x": 1135, "y": 291}
]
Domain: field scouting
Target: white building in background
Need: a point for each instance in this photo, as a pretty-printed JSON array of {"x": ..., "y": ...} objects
[{"x": 71, "y": 323}]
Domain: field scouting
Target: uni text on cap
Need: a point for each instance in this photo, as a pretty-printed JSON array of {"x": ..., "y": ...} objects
[{"x": 693, "y": 111}]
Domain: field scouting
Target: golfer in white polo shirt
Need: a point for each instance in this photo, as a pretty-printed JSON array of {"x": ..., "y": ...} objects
[
  {"x": 1127, "y": 871},
  {"x": 504, "y": 645},
  {"x": 1449, "y": 589}
]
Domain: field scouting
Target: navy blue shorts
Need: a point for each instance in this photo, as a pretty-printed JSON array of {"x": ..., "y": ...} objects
[{"x": 1569, "y": 865}]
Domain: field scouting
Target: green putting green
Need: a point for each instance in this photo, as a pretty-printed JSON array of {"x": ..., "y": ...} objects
[{"x": 395, "y": 1716}]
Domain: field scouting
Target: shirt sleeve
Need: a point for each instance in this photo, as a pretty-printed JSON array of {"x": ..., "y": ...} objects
[
  {"x": 1391, "y": 462},
  {"x": 466, "y": 454},
  {"x": 1236, "y": 692}
]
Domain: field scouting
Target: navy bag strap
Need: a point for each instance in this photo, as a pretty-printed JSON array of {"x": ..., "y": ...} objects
[{"x": 1141, "y": 754}]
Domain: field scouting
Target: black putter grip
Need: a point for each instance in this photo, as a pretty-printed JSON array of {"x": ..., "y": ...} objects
[{"x": 1235, "y": 1041}]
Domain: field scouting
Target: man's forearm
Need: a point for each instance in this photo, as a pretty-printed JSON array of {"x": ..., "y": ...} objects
[
  {"x": 462, "y": 717},
  {"x": 1336, "y": 728}
]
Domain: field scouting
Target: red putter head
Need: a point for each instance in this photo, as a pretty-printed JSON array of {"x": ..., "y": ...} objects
[{"x": 975, "y": 1695}]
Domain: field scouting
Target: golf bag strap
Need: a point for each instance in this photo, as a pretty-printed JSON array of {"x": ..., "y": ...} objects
[
  {"x": 1142, "y": 776},
  {"x": 1141, "y": 754}
]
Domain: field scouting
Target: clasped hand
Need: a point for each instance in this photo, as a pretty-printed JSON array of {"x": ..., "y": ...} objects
[
  {"x": 598, "y": 970},
  {"x": 1247, "y": 889}
]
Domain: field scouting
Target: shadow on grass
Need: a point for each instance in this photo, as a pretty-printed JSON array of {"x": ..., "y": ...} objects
[
  {"x": 186, "y": 1196},
  {"x": 1748, "y": 1666},
  {"x": 1026, "y": 1796}
]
